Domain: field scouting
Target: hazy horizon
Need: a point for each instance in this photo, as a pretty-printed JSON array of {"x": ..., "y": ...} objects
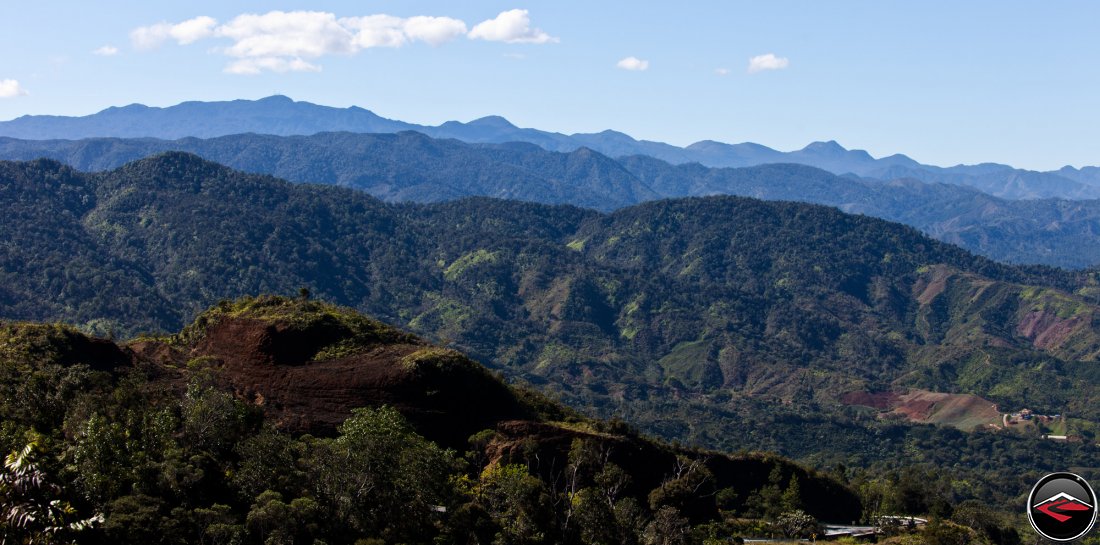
[{"x": 941, "y": 83}]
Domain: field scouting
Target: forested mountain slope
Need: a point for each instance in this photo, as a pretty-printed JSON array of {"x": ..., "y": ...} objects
[
  {"x": 201, "y": 436},
  {"x": 412, "y": 167},
  {"x": 723, "y": 321}
]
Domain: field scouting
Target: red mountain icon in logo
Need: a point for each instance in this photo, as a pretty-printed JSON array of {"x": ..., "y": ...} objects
[{"x": 1061, "y": 506}]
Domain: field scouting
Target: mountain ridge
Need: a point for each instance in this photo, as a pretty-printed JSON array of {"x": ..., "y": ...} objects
[
  {"x": 264, "y": 398},
  {"x": 410, "y": 166},
  {"x": 724, "y": 322},
  {"x": 280, "y": 115},
  {"x": 460, "y": 255}
]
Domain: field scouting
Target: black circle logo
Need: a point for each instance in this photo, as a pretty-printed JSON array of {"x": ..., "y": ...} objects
[{"x": 1062, "y": 507}]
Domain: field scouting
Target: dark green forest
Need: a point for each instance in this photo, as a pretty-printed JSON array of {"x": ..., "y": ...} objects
[
  {"x": 151, "y": 442},
  {"x": 722, "y": 323},
  {"x": 410, "y": 166}
]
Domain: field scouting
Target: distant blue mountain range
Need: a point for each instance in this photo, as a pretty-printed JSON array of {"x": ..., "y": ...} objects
[
  {"x": 412, "y": 167},
  {"x": 279, "y": 115}
]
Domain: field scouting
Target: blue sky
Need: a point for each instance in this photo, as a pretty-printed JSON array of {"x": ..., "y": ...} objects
[{"x": 944, "y": 82}]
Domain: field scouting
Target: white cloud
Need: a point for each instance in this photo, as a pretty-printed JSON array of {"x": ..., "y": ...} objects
[
  {"x": 434, "y": 30},
  {"x": 633, "y": 64},
  {"x": 512, "y": 26},
  {"x": 292, "y": 34},
  {"x": 389, "y": 31},
  {"x": 148, "y": 37},
  {"x": 722, "y": 71},
  {"x": 253, "y": 66},
  {"x": 193, "y": 30},
  {"x": 768, "y": 61},
  {"x": 376, "y": 31},
  {"x": 287, "y": 41},
  {"x": 10, "y": 88},
  {"x": 187, "y": 32},
  {"x": 106, "y": 51}
]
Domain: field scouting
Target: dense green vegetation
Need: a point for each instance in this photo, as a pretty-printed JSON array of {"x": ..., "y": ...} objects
[
  {"x": 412, "y": 167},
  {"x": 720, "y": 322},
  {"x": 110, "y": 447}
]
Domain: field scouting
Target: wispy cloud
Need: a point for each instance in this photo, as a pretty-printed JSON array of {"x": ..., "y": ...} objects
[
  {"x": 433, "y": 30},
  {"x": 722, "y": 71},
  {"x": 512, "y": 26},
  {"x": 634, "y": 64},
  {"x": 187, "y": 32},
  {"x": 105, "y": 51},
  {"x": 292, "y": 41},
  {"x": 10, "y": 88},
  {"x": 255, "y": 65},
  {"x": 768, "y": 61}
]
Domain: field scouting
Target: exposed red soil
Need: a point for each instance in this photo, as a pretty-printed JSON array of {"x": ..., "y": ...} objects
[
  {"x": 883, "y": 401},
  {"x": 252, "y": 341},
  {"x": 447, "y": 403},
  {"x": 319, "y": 395},
  {"x": 154, "y": 351},
  {"x": 931, "y": 285},
  {"x": 1046, "y": 330},
  {"x": 446, "y": 397},
  {"x": 918, "y": 409},
  {"x": 271, "y": 364},
  {"x": 964, "y": 411}
]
